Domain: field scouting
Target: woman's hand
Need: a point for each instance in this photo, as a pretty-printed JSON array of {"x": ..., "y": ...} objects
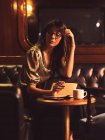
[
  {"x": 70, "y": 38},
  {"x": 58, "y": 86},
  {"x": 68, "y": 33}
]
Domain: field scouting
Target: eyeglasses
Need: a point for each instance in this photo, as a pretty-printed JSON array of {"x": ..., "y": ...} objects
[{"x": 57, "y": 34}]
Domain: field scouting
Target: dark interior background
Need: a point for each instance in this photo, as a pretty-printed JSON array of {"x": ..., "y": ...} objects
[{"x": 18, "y": 33}]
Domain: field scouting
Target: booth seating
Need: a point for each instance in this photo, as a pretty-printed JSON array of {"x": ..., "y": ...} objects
[
  {"x": 88, "y": 75},
  {"x": 10, "y": 73},
  {"x": 14, "y": 123},
  {"x": 92, "y": 127},
  {"x": 92, "y": 76}
]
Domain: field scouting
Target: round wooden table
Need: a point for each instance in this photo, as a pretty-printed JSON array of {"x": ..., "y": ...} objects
[{"x": 66, "y": 103}]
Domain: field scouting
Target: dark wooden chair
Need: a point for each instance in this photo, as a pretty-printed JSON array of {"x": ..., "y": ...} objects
[
  {"x": 14, "y": 123},
  {"x": 92, "y": 127}
]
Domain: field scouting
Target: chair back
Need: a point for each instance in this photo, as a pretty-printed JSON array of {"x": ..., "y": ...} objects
[
  {"x": 11, "y": 113},
  {"x": 92, "y": 127}
]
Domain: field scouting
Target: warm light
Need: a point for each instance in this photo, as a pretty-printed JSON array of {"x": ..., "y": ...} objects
[
  {"x": 15, "y": 6},
  {"x": 29, "y": 10},
  {"x": 23, "y": 8},
  {"x": 97, "y": 24}
]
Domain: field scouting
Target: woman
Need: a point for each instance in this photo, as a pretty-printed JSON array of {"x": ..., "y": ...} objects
[
  {"x": 50, "y": 60},
  {"x": 53, "y": 55}
]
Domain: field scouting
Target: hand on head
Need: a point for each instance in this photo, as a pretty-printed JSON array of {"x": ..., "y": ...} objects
[{"x": 68, "y": 33}]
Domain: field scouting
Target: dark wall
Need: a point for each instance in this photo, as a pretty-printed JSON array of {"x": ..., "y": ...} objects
[
  {"x": 12, "y": 29},
  {"x": 70, "y": 3}
]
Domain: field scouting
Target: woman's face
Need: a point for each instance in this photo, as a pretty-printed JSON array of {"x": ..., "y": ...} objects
[{"x": 53, "y": 37}]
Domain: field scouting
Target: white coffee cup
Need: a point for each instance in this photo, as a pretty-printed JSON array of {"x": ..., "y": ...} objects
[{"x": 79, "y": 93}]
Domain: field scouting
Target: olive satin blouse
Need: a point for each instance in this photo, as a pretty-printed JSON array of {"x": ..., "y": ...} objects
[{"x": 34, "y": 70}]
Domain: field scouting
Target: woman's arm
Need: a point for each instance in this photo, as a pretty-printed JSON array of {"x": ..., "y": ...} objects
[
  {"x": 31, "y": 78},
  {"x": 67, "y": 67},
  {"x": 31, "y": 88}
]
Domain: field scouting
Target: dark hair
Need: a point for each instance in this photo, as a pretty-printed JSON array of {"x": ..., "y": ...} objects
[
  {"x": 63, "y": 47},
  {"x": 53, "y": 23}
]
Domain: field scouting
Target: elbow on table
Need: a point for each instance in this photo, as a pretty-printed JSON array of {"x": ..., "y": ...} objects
[
  {"x": 68, "y": 75},
  {"x": 30, "y": 88}
]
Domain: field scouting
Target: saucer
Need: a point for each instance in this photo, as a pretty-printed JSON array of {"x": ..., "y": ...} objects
[{"x": 57, "y": 97}]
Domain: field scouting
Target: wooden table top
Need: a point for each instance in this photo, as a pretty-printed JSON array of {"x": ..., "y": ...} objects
[{"x": 64, "y": 102}]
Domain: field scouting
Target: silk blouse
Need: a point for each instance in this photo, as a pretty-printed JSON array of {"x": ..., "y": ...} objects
[{"x": 34, "y": 70}]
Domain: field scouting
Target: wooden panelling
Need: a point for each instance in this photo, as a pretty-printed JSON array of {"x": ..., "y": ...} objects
[
  {"x": 90, "y": 49},
  {"x": 83, "y": 58},
  {"x": 9, "y": 42},
  {"x": 11, "y": 60}
]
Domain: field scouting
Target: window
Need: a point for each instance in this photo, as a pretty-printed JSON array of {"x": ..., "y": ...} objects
[{"x": 87, "y": 24}]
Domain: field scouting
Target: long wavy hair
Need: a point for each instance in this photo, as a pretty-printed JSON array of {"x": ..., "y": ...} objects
[{"x": 62, "y": 48}]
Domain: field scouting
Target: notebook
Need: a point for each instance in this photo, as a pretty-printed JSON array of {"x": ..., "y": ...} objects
[{"x": 68, "y": 90}]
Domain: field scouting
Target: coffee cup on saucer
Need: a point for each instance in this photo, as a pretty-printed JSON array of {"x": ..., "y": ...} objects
[{"x": 79, "y": 93}]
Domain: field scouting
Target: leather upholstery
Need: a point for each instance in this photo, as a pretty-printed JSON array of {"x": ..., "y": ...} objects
[
  {"x": 10, "y": 73},
  {"x": 94, "y": 130},
  {"x": 12, "y": 122},
  {"x": 89, "y": 75}
]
